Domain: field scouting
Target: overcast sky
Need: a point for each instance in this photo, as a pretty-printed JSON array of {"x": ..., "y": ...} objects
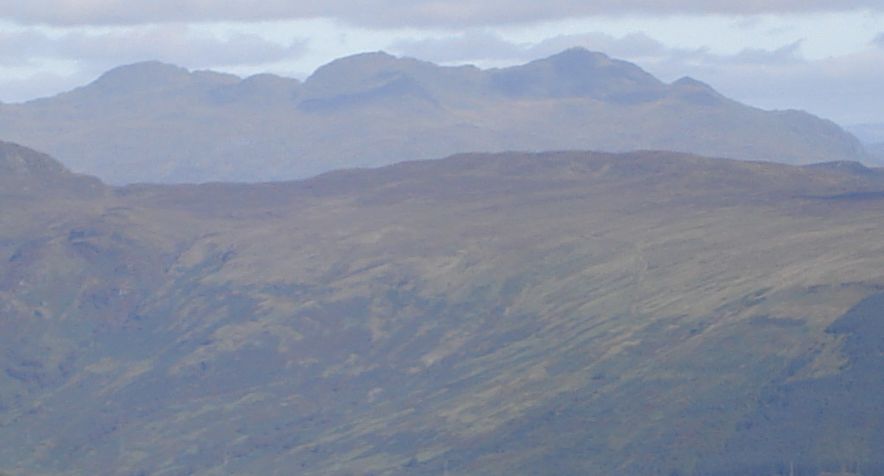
[{"x": 823, "y": 56}]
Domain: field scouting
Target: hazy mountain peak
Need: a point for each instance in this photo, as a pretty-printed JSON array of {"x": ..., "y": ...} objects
[
  {"x": 580, "y": 61},
  {"x": 364, "y": 71},
  {"x": 695, "y": 91},
  {"x": 155, "y": 75},
  {"x": 366, "y": 57},
  {"x": 141, "y": 75},
  {"x": 359, "y": 65},
  {"x": 689, "y": 82},
  {"x": 578, "y": 72},
  {"x": 260, "y": 89},
  {"x": 580, "y": 54}
]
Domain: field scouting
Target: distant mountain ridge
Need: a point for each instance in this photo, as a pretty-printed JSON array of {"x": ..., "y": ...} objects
[{"x": 153, "y": 122}]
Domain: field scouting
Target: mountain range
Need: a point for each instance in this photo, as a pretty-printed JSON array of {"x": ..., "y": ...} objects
[
  {"x": 568, "y": 313},
  {"x": 154, "y": 122}
]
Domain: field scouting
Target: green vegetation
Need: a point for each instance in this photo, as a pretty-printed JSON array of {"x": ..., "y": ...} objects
[{"x": 561, "y": 313}]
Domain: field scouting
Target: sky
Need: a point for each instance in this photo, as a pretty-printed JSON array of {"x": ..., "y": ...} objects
[{"x": 826, "y": 57}]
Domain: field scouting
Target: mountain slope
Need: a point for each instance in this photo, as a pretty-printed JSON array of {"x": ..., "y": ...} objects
[
  {"x": 25, "y": 173},
  {"x": 567, "y": 313},
  {"x": 159, "y": 123}
]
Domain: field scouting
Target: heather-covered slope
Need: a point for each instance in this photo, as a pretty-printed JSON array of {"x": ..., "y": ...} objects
[
  {"x": 559, "y": 313},
  {"x": 159, "y": 123}
]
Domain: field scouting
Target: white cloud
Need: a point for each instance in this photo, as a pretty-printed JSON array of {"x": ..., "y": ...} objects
[
  {"x": 485, "y": 47},
  {"x": 40, "y": 84},
  {"x": 390, "y": 13},
  {"x": 175, "y": 43},
  {"x": 470, "y": 46},
  {"x": 37, "y": 62}
]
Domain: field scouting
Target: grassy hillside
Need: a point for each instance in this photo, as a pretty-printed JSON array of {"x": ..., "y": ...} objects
[{"x": 559, "y": 313}]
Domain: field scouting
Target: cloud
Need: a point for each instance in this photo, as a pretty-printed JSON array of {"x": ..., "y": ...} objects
[
  {"x": 844, "y": 88},
  {"x": 465, "y": 47},
  {"x": 390, "y": 13},
  {"x": 485, "y": 47},
  {"x": 177, "y": 44},
  {"x": 37, "y": 63},
  {"x": 789, "y": 54},
  {"x": 879, "y": 40},
  {"x": 40, "y": 84},
  {"x": 18, "y": 48},
  {"x": 633, "y": 45}
]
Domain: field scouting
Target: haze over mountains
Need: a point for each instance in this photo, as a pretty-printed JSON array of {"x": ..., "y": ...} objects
[
  {"x": 153, "y": 122},
  {"x": 558, "y": 313},
  {"x": 876, "y": 151},
  {"x": 873, "y": 136}
]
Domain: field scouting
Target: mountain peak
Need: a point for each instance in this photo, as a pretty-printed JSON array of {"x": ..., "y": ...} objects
[
  {"x": 16, "y": 160},
  {"x": 695, "y": 91},
  {"x": 579, "y": 53},
  {"x": 136, "y": 75},
  {"x": 359, "y": 64},
  {"x": 367, "y": 57},
  {"x": 361, "y": 71},
  {"x": 155, "y": 75},
  {"x": 687, "y": 81},
  {"x": 578, "y": 72},
  {"x": 24, "y": 170}
]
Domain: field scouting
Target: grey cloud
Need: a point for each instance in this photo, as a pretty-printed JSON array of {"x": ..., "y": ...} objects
[
  {"x": 19, "y": 48},
  {"x": 390, "y": 13},
  {"x": 483, "y": 46},
  {"x": 40, "y": 84},
  {"x": 94, "y": 53},
  {"x": 465, "y": 47},
  {"x": 177, "y": 44},
  {"x": 787, "y": 54},
  {"x": 633, "y": 45}
]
